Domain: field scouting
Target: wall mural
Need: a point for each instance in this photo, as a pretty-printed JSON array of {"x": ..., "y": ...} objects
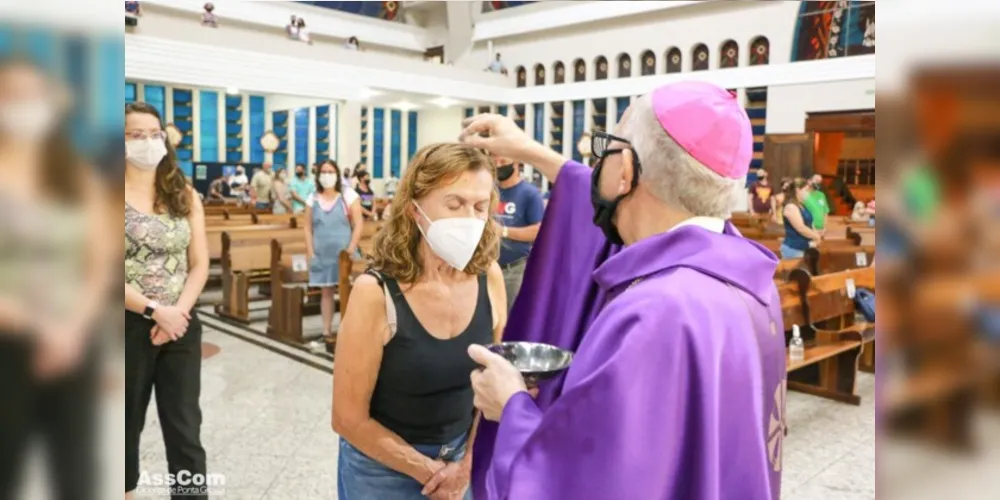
[
  {"x": 602, "y": 68},
  {"x": 829, "y": 29},
  {"x": 624, "y": 66},
  {"x": 648, "y": 63},
  {"x": 493, "y": 6},
  {"x": 388, "y": 11},
  {"x": 760, "y": 51},
  {"x": 675, "y": 60},
  {"x": 700, "y": 55},
  {"x": 579, "y": 71},
  {"x": 730, "y": 56}
]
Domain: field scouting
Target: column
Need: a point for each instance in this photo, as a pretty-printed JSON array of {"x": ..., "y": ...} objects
[{"x": 195, "y": 124}]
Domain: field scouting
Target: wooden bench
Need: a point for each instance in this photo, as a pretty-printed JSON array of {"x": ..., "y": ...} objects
[
  {"x": 835, "y": 344},
  {"x": 214, "y": 234},
  {"x": 293, "y": 299},
  {"x": 861, "y": 236},
  {"x": 246, "y": 260},
  {"x": 833, "y": 257}
]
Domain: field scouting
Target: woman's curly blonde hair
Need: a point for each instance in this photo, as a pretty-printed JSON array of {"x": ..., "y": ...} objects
[{"x": 396, "y": 245}]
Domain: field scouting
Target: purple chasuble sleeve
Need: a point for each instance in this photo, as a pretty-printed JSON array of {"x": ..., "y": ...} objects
[
  {"x": 558, "y": 298},
  {"x": 645, "y": 412}
]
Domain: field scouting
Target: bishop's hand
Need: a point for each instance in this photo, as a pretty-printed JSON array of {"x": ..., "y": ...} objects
[
  {"x": 495, "y": 383},
  {"x": 503, "y": 137}
]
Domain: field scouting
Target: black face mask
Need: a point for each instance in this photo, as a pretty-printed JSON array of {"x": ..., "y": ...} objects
[
  {"x": 505, "y": 172},
  {"x": 300, "y": 175},
  {"x": 604, "y": 210}
]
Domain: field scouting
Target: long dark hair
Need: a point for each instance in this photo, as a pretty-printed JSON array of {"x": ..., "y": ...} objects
[
  {"x": 789, "y": 188},
  {"x": 172, "y": 192},
  {"x": 340, "y": 180}
]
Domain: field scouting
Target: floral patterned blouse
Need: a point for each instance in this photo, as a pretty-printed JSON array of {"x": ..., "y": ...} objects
[{"x": 156, "y": 254}]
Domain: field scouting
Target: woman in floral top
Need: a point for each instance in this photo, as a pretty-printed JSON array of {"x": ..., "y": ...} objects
[{"x": 166, "y": 266}]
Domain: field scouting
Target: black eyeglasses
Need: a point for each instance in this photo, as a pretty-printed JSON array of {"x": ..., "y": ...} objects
[{"x": 600, "y": 142}]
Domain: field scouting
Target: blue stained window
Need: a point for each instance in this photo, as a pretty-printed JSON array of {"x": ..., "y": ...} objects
[
  {"x": 469, "y": 112},
  {"x": 41, "y": 46},
  {"x": 183, "y": 120},
  {"x": 322, "y": 146},
  {"x": 578, "y": 123},
  {"x": 209, "y": 125},
  {"x": 111, "y": 70},
  {"x": 396, "y": 143},
  {"x": 302, "y": 136},
  {"x": 129, "y": 92},
  {"x": 155, "y": 96},
  {"x": 411, "y": 147},
  {"x": 622, "y": 103},
  {"x": 256, "y": 128},
  {"x": 539, "y": 122},
  {"x": 378, "y": 145},
  {"x": 502, "y": 110}
]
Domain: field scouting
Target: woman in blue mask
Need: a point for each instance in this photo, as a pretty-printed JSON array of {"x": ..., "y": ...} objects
[{"x": 403, "y": 401}]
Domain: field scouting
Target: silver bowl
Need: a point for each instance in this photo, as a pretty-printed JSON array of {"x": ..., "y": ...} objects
[{"x": 536, "y": 362}]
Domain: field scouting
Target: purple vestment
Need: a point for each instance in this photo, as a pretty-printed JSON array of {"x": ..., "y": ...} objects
[{"x": 677, "y": 388}]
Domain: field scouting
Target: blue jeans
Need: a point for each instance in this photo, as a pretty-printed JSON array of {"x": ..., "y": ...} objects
[
  {"x": 788, "y": 252},
  {"x": 361, "y": 478},
  {"x": 262, "y": 205}
]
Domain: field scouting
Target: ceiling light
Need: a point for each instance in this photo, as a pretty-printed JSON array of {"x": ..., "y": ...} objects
[
  {"x": 445, "y": 102},
  {"x": 404, "y": 106}
]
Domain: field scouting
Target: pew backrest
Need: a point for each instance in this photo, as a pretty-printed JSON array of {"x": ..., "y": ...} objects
[{"x": 251, "y": 250}]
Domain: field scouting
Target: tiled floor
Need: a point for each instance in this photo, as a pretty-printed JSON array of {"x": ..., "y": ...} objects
[{"x": 267, "y": 428}]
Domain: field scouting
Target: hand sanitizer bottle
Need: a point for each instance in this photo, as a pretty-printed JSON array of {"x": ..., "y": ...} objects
[{"x": 796, "y": 348}]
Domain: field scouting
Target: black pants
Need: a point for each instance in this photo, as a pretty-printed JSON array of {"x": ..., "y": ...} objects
[
  {"x": 61, "y": 411},
  {"x": 174, "y": 370}
]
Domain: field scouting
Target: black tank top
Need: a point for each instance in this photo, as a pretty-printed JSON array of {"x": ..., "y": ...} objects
[{"x": 423, "y": 392}]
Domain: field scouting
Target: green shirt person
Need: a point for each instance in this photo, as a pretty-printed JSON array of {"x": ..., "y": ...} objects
[
  {"x": 302, "y": 186},
  {"x": 816, "y": 203}
]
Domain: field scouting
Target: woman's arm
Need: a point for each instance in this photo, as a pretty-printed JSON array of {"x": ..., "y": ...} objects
[
  {"x": 794, "y": 216},
  {"x": 197, "y": 256},
  {"x": 357, "y": 224},
  {"x": 100, "y": 258},
  {"x": 307, "y": 226},
  {"x": 360, "y": 343}
]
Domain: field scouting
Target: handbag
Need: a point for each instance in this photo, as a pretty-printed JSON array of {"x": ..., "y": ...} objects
[{"x": 864, "y": 302}]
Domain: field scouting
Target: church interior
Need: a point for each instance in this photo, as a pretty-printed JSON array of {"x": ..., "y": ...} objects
[{"x": 279, "y": 163}]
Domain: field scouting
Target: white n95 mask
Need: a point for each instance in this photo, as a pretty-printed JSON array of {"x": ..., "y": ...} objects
[
  {"x": 455, "y": 239},
  {"x": 328, "y": 181},
  {"x": 145, "y": 153}
]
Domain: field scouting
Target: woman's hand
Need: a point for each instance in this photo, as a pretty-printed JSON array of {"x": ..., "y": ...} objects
[
  {"x": 158, "y": 337},
  {"x": 495, "y": 384},
  {"x": 172, "y": 320},
  {"x": 450, "y": 483},
  {"x": 60, "y": 350},
  {"x": 351, "y": 250}
]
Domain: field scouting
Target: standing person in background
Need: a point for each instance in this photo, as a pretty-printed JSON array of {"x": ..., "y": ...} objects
[
  {"x": 166, "y": 266},
  {"x": 367, "y": 195},
  {"x": 359, "y": 169},
  {"x": 333, "y": 224},
  {"x": 219, "y": 190},
  {"x": 496, "y": 66},
  {"x": 761, "y": 200},
  {"x": 816, "y": 203},
  {"x": 303, "y": 32},
  {"x": 262, "y": 187},
  {"x": 292, "y": 29},
  {"x": 282, "y": 193},
  {"x": 239, "y": 184},
  {"x": 352, "y": 44},
  {"x": 55, "y": 269},
  {"x": 799, "y": 232},
  {"x": 519, "y": 217},
  {"x": 301, "y": 188},
  {"x": 391, "y": 186},
  {"x": 208, "y": 18}
]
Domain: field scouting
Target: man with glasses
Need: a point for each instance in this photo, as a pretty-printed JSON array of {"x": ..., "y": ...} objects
[{"x": 677, "y": 386}]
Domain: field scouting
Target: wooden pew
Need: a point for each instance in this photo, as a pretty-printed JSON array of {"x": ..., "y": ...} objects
[
  {"x": 835, "y": 344},
  {"x": 292, "y": 298},
  {"x": 832, "y": 257},
  {"x": 862, "y": 236},
  {"x": 246, "y": 260},
  {"x": 214, "y": 234}
]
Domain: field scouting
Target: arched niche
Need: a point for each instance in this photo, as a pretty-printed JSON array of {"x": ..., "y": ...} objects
[
  {"x": 539, "y": 75},
  {"x": 729, "y": 54},
  {"x": 579, "y": 70},
  {"x": 675, "y": 60},
  {"x": 559, "y": 69},
  {"x": 760, "y": 51},
  {"x": 648, "y": 63},
  {"x": 601, "y": 68},
  {"x": 700, "y": 57},
  {"x": 624, "y": 66}
]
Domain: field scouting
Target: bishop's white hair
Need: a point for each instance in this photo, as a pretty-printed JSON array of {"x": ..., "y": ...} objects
[{"x": 673, "y": 175}]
